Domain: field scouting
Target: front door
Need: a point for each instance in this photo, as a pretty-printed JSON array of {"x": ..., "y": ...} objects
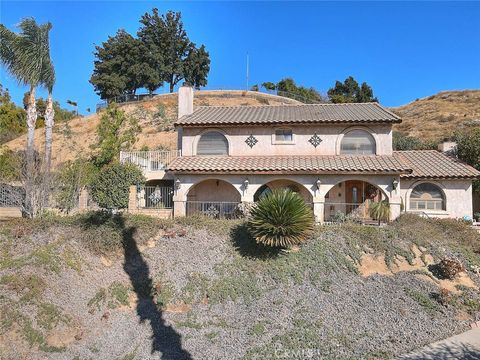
[{"x": 354, "y": 193}]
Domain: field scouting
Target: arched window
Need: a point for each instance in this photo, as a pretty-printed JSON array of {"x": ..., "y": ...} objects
[
  {"x": 358, "y": 142},
  {"x": 212, "y": 143},
  {"x": 427, "y": 196}
]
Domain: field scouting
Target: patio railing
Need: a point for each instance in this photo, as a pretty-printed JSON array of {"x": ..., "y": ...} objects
[
  {"x": 149, "y": 160},
  {"x": 155, "y": 197},
  {"x": 340, "y": 212},
  {"x": 215, "y": 209}
]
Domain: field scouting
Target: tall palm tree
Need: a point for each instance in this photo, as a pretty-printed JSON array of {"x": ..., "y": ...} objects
[
  {"x": 26, "y": 56},
  {"x": 49, "y": 79}
]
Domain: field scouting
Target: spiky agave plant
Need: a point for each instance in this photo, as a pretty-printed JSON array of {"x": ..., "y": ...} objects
[{"x": 281, "y": 219}]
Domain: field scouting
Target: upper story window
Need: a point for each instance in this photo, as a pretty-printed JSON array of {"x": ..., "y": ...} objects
[
  {"x": 212, "y": 143},
  {"x": 283, "y": 136},
  {"x": 427, "y": 196},
  {"x": 358, "y": 142}
]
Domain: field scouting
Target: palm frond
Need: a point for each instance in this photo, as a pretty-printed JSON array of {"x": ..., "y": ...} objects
[{"x": 26, "y": 55}]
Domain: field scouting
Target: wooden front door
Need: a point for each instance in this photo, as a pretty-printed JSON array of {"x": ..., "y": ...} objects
[{"x": 354, "y": 194}]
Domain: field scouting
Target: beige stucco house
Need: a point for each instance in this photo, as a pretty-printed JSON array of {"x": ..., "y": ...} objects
[{"x": 339, "y": 157}]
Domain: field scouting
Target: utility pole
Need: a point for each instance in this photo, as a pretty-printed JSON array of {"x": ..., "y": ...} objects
[{"x": 247, "y": 69}]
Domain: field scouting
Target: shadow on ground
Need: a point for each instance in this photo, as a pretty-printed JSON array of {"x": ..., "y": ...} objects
[
  {"x": 164, "y": 339},
  {"x": 246, "y": 245},
  {"x": 445, "y": 352}
]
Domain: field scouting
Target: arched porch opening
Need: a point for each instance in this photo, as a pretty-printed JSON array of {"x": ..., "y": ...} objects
[
  {"x": 283, "y": 184},
  {"x": 352, "y": 199},
  {"x": 214, "y": 198}
]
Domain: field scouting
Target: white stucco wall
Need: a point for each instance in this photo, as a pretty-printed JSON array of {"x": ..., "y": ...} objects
[
  {"x": 331, "y": 136},
  {"x": 458, "y": 196}
]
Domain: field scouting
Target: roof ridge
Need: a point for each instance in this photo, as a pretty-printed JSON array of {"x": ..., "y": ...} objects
[{"x": 295, "y": 105}]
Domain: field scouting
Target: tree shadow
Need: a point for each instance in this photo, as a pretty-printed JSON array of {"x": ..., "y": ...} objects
[
  {"x": 245, "y": 244},
  {"x": 164, "y": 339}
]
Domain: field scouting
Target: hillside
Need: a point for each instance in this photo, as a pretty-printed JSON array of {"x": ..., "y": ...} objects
[
  {"x": 103, "y": 286},
  {"x": 439, "y": 116},
  {"x": 156, "y": 116},
  {"x": 433, "y": 117}
]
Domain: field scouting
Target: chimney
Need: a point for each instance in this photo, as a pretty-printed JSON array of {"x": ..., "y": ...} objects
[
  {"x": 448, "y": 147},
  {"x": 185, "y": 100}
]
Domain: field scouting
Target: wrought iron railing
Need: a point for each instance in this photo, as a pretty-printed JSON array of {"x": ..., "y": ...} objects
[
  {"x": 155, "y": 197},
  {"x": 215, "y": 209},
  {"x": 149, "y": 160},
  {"x": 11, "y": 196},
  {"x": 340, "y": 212}
]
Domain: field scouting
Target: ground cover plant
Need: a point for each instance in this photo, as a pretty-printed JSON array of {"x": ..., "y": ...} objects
[{"x": 102, "y": 285}]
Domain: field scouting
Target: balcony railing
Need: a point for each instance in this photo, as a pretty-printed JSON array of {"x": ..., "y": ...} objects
[{"x": 149, "y": 160}]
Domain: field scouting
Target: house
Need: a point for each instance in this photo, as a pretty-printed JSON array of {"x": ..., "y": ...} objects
[{"x": 338, "y": 157}]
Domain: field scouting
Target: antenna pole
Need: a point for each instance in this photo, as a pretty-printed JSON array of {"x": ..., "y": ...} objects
[{"x": 247, "y": 69}]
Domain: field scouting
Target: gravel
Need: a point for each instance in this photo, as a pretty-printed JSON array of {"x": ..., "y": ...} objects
[{"x": 348, "y": 316}]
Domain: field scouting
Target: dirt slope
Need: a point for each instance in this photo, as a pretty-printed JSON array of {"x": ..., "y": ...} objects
[
  {"x": 155, "y": 116},
  {"x": 439, "y": 116}
]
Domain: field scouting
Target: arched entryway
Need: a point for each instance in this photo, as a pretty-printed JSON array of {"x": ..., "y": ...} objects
[
  {"x": 352, "y": 199},
  {"x": 214, "y": 198},
  {"x": 283, "y": 184}
]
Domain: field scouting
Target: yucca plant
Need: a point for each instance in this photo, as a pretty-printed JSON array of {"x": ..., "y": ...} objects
[
  {"x": 281, "y": 219},
  {"x": 380, "y": 210}
]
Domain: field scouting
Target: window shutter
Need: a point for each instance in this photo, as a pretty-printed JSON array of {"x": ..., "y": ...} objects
[{"x": 212, "y": 143}]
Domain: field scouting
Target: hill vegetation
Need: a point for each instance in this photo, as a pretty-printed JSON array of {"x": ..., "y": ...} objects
[
  {"x": 439, "y": 116},
  {"x": 76, "y": 137}
]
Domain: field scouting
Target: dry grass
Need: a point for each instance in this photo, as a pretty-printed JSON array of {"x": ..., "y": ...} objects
[{"x": 438, "y": 116}]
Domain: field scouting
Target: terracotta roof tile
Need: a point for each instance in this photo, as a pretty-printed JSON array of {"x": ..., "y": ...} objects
[
  {"x": 433, "y": 164},
  {"x": 289, "y": 114},
  {"x": 288, "y": 164}
]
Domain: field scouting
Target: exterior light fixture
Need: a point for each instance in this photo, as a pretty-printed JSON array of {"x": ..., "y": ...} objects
[
  {"x": 177, "y": 184},
  {"x": 245, "y": 184},
  {"x": 318, "y": 183},
  {"x": 394, "y": 184}
]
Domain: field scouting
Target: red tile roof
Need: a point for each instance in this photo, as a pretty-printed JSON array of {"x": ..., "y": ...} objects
[
  {"x": 335, "y": 164},
  {"x": 433, "y": 164},
  {"x": 289, "y": 114}
]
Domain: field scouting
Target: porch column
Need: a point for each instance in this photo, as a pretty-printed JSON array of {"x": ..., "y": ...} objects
[
  {"x": 132, "y": 198},
  {"x": 179, "y": 208},
  {"x": 180, "y": 200},
  {"x": 318, "y": 211}
]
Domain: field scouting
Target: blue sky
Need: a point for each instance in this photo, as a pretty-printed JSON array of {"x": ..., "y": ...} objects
[{"x": 403, "y": 50}]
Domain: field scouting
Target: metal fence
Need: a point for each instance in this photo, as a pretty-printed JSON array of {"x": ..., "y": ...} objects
[
  {"x": 11, "y": 196},
  {"x": 149, "y": 160},
  {"x": 124, "y": 99},
  {"x": 340, "y": 212},
  {"x": 215, "y": 209},
  {"x": 155, "y": 197}
]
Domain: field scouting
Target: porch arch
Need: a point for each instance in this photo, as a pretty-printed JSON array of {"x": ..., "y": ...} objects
[
  {"x": 213, "y": 189},
  {"x": 284, "y": 183},
  {"x": 351, "y": 197}
]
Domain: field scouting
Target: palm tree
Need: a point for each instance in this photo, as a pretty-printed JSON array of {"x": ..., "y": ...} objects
[{"x": 27, "y": 57}]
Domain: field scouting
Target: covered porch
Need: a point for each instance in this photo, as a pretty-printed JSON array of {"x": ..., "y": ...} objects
[{"x": 332, "y": 197}]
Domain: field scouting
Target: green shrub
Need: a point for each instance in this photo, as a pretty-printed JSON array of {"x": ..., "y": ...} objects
[
  {"x": 110, "y": 188},
  {"x": 281, "y": 219},
  {"x": 380, "y": 210},
  {"x": 72, "y": 177}
]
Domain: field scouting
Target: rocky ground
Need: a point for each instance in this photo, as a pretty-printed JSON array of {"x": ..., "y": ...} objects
[{"x": 138, "y": 288}]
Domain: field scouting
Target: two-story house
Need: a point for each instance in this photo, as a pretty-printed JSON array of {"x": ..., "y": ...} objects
[{"x": 337, "y": 156}]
